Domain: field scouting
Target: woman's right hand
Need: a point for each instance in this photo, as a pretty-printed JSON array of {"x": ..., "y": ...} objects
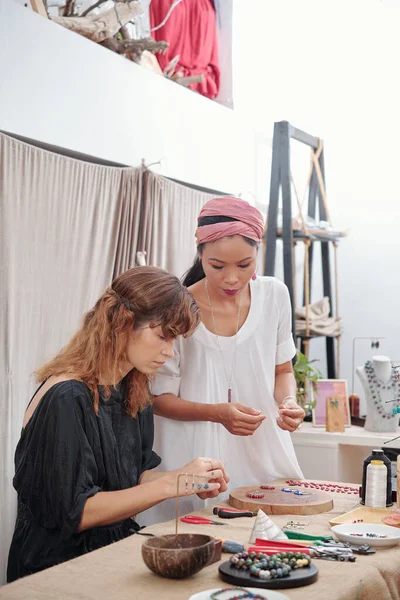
[
  {"x": 205, "y": 477},
  {"x": 239, "y": 419}
]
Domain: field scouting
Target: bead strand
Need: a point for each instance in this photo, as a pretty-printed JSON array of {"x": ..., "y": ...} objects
[
  {"x": 243, "y": 594},
  {"x": 325, "y": 487},
  {"x": 267, "y": 567}
]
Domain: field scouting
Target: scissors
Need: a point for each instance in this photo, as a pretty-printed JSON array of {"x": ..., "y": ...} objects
[{"x": 195, "y": 520}]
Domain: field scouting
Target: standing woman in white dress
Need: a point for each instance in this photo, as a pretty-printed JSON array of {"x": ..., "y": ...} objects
[{"x": 229, "y": 391}]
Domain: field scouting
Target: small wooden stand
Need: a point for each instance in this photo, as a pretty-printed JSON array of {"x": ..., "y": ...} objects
[{"x": 334, "y": 414}]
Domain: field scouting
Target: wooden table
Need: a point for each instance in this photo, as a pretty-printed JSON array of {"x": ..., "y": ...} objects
[{"x": 117, "y": 572}]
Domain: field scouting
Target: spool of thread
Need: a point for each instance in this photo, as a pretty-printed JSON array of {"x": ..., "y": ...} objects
[
  {"x": 398, "y": 481},
  {"x": 378, "y": 454},
  {"x": 376, "y": 485}
]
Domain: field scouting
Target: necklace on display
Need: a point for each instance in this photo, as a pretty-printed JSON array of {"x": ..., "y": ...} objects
[
  {"x": 230, "y": 377},
  {"x": 376, "y": 385}
]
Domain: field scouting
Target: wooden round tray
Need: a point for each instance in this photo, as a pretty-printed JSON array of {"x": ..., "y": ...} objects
[
  {"x": 276, "y": 502},
  {"x": 297, "y": 578}
]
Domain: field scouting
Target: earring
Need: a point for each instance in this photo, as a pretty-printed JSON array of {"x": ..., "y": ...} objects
[{"x": 254, "y": 276}]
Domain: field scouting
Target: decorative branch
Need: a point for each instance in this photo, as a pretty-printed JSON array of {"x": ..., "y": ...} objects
[
  {"x": 99, "y": 3},
  {"x": 186, "y": 81},
  {"x": 171, "y": 66},
  {"x": 69, "y": 8},
  {"x": 39, "y": 7},
  {"x": 133, "y": 49},
  {"x": 88, "y": 10},
  {"x": 125, "y": 33},
  {"x": 100, "y": 27}
]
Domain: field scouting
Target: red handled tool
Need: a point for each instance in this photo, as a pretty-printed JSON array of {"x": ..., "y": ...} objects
[
  {"x": 232, "y": 513},
  {"x": 195, "y": 520},
  {"x": 271, "y": 547}
]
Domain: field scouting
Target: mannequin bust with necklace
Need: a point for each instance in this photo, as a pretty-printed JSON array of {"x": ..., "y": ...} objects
[{"x": 382, "y": 393}]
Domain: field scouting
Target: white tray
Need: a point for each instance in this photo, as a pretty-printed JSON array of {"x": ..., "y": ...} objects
[{"x": 344, "y": 531}]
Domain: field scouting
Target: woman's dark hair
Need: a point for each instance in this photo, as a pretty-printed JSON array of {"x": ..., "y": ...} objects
[{"x": 196, "y": 272}]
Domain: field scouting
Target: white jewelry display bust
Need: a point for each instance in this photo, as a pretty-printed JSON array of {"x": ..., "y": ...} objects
[{"x": 382, "y": 368}]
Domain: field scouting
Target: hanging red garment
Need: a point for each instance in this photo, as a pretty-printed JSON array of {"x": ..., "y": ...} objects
[{"x": 192, "y": 34}]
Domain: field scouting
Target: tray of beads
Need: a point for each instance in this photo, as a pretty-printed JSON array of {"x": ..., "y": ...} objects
[
  {"x": 278, "y": 500},
  {"x": 367, "y": 533},
  {"x": 362, "y": 514},
  {"x": 279, "y": 571}
]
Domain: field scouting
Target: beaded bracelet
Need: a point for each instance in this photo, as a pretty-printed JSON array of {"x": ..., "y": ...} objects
[
  {"x": 246, "y": 594},
  {"x": 269, "y": 567}
]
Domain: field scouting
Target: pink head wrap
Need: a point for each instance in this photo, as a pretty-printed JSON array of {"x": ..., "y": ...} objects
[{"x": 249, "y": 222}]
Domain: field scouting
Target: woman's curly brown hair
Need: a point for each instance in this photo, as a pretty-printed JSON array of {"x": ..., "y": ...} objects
[{"x": 142, "y": 295}]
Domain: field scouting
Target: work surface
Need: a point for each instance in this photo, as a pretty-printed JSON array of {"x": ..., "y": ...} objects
[{"x": 118, "y": 571}]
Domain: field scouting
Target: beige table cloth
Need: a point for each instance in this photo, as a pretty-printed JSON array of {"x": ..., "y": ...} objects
[{"x": 117, "y": 572}]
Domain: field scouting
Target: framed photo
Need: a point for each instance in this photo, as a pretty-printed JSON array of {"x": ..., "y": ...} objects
[{"x": 329, "y": 388}]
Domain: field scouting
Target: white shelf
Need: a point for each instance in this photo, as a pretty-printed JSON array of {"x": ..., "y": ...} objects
[
  {"x": 356, "y": 436},
  {"x": 337, "y": 456}
]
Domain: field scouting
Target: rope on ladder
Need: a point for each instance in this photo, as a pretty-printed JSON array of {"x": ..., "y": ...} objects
[{"x": 314, "y": 163}]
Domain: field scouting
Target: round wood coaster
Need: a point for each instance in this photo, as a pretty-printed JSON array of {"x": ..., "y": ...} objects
[
  {"x": 276, "y": 502},
  {"x": 297, "y": 578}
]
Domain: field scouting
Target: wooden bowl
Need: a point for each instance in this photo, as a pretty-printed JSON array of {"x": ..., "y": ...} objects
[{"x": 178, "y": 556}]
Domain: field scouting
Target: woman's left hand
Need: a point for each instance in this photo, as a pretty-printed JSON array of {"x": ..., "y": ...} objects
[{"x": 291, "y": 415}]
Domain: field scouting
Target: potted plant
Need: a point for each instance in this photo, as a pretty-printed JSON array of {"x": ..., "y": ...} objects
[{"x": 306, "y": 375}]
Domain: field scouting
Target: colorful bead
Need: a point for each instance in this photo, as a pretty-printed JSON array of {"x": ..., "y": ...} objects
[
  {"x": 265, "y": 574},
  {"x": 256, "y": 495}
]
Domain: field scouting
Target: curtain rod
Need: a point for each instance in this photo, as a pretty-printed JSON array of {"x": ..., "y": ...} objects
[
  {"x": 64, "y": 151},
  {"x": 99, "y": 161},
  {"x": 199, "y": 188}
]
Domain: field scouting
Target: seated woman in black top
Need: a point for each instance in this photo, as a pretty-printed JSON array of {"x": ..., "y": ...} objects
[{"x": 83, "y": 463}]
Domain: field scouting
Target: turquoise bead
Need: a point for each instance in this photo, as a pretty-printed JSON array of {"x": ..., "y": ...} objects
[{"x": 394, "y": 411}]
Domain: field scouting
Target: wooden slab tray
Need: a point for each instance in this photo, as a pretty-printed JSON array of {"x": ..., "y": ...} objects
[
  {"x": 368, "y": 515},
  {"x": 297, "y": 578},
  {"x": 276, "y": 502}
]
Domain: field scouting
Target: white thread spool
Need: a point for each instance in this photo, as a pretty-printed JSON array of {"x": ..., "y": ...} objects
[{"x": 375, "y": 494}]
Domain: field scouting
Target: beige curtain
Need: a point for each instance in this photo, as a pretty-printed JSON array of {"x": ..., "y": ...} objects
[
  {"x": 67, "y": 227},
  {"x": 169, "y": 219}
]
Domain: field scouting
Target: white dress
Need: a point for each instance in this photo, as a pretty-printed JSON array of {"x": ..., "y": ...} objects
[{"x": 196, "y": 373}]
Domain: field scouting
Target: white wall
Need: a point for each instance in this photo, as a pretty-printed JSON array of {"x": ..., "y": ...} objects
[
  {"x": 331, "y": 69},
  {"x": 65, "y": 90},
  {"x": 328, "y": 67}
]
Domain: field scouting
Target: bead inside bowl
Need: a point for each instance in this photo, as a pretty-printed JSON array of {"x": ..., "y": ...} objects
[{"x": 178, "y": 556}]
